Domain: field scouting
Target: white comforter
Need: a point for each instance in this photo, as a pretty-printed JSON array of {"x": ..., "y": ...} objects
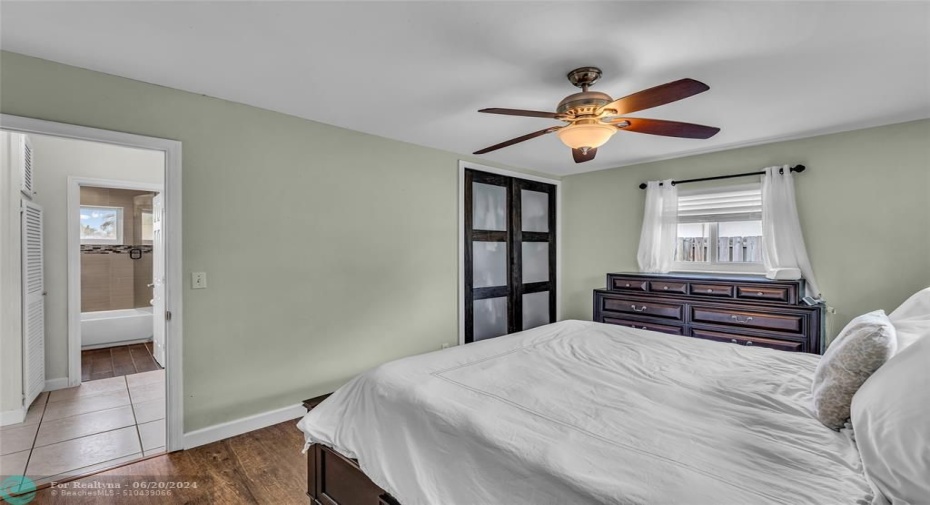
[{"x": 578, "y": 412}]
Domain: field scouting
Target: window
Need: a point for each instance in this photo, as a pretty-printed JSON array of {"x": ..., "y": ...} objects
[
  {"x": 720, "y": 230},
  {"x": 101, "y": 225}
]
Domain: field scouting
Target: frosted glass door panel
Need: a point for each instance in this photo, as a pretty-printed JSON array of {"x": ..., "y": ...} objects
[
  {"x": 535, "y": 309},
  {"x": 535, "y": 262},
  {"x": 489, "y": 207},
  {"x": 534, "y": 210},
  {"x": 490, "y": 318},
  {"x": 490, "y": 264}
]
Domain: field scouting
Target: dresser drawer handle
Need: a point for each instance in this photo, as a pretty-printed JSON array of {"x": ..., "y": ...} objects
[
  {"x": 710, "y": 290},
  {"x": 760, "y": 293},
  {"x": 749, "y": 342},
  {"x": 734, "y": 341},
  {"x": 643, "y": 309},
  {"x": 638, "y": 327},
  {"x": 737, "y": 319},
  {"x": 665, "y": 288},
  {"x": 627, "y": 284}
]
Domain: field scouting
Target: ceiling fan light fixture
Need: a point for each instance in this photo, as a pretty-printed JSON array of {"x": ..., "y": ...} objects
[{"x": 586, "y": 136}]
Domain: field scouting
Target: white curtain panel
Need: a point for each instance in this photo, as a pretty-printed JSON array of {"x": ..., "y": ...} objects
[
  {"x": 660, "y": 228},
  {"x": 784, "y": 253}
]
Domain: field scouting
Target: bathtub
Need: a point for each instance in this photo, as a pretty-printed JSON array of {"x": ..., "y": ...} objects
[{"x": 107, "y": 328}]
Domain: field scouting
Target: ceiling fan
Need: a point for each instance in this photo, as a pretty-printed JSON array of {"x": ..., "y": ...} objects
[{"x": 593, "y": 117}]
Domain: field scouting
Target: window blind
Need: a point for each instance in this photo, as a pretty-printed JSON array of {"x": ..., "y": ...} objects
[{"x": 732, "y": 204}]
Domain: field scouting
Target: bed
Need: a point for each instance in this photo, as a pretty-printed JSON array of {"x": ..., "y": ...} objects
[{"x": 583, "y": 413}]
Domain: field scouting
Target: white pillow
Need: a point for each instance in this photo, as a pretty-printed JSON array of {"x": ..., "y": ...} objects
[
  {"x": 912, "y": 319},
  {"x": 891, "y": 422},
  {"x": 863, "y": 346}
]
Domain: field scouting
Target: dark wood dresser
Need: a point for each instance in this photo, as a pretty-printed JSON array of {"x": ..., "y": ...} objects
[{"x": 743, "y": 310}]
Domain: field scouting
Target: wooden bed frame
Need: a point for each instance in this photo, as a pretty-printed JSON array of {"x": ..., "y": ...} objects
[{"x": 333, "y": 479}]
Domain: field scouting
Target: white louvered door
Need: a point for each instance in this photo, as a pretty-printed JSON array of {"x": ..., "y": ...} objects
[
  {"x": 27, "y": 180},
  {"x": 33, "y": 302}
]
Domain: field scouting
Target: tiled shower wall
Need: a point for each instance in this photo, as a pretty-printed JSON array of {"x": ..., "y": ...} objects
[{"x": 110, "y": 279}]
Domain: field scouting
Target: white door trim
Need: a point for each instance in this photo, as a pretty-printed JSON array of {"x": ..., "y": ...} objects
[
  {"x": 172, "y": 191},
  {"x": 461, "y": 236},
  {"x": 74, "y": 261}
]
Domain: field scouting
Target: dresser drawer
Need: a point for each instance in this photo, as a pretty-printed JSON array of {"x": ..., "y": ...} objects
[
  {"x": 626, "y": 284},
  {"x": 668, "y": 287},
  {"x": 644, "y": 307},
  {"x": 712, "y": 290},
  {"x": 770, "y": 320},
  {"x": 771, "y": 343},
  {"x": 765, "y": 293},
  {"x": 643, "y": 325}
]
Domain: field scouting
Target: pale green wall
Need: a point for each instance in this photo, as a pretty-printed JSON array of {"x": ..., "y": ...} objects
[
  {"x": 327, "y": 251},
  {"x": 864, "y": 205}
]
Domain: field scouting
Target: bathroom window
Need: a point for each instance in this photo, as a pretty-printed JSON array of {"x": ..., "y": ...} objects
[{"x": 101, "y": 225}]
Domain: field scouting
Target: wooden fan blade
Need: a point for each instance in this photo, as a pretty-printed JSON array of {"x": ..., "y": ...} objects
[
  {"x": 520, "y": 112},
  {"x": 665, "y": 128},
  {"x": 581, "y": 157},
  {"x": 659, "y": 95},
  {"x": 518, "y": 139}
]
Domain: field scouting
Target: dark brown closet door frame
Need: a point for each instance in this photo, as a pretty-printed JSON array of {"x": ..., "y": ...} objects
[{"x": 514, "y": 237}]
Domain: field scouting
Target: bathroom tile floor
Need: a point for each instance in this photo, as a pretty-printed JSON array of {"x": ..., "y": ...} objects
[
  {"x": 94, "y": 426},
  {"x": 115, "y": 361}
]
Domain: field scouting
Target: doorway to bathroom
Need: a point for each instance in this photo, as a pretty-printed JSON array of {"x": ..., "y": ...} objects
[
  {"x": 121, "y": 275},
  {"x": 108, "y": 274}
]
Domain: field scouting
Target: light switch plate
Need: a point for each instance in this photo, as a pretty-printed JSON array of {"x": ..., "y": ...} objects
[{"x": 198, "y": 280}]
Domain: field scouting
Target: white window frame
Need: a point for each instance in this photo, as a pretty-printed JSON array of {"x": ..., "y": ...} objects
[
  {"x": 714, "y": 266},
  {"x": 119, "y": 227}
]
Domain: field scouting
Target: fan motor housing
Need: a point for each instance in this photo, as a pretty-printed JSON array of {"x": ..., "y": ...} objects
[{"x": 584, "y": 103}]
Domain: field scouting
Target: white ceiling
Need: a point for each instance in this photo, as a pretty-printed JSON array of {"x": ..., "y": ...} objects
[{"x": 418, "y": 72}]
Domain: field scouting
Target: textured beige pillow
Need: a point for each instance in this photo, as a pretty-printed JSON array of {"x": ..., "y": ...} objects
[{"x": 863, "y": 346}]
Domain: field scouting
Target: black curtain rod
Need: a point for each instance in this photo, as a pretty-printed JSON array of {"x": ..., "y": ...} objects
[{"x": 796, "y": 168}]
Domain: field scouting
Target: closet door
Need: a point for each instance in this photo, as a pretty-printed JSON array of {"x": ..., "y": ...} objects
[
  {"x": 33, "y": 280},
  {"x": 488, "y": 311},
  {"x": 509, "y": 255},
  {"x": 534, "y": 249}
]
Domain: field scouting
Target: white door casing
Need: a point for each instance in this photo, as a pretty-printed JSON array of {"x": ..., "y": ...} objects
[
  {"x": 158, "y": 279},
  {"x": 173, "y": 238},
  {"x": 33, "y": 301}
]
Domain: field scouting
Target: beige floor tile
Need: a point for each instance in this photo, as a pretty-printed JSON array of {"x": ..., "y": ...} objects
[
  {"x": 82, "y": 425},
  {"x": 17, "y": 437},
  {"x": 13, "y": 464},
  {"x": 139, "y": 379},
  {"x": 85, "y": 404},
  {"x": 153, "y": 434},
  {"x": 153, "y": 452},
  {"x": 86, "y": 470},
  {"x": 88, "y": 389},
  {"x": 147, "y": 392},
  {"x": 82, "y": 452},
  {"x": 149, "y": 411}
]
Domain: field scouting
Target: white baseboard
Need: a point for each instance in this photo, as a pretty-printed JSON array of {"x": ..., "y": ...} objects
[
  {"x": 235, "y": 427},
  {"x": 53, "y": 384},
  {"x": 12, "y": 416}
]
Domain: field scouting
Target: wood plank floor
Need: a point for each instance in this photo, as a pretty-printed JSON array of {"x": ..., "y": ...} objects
[
  {"x": 117, "y": 361},
  {"x": 260, "y": 467}
]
